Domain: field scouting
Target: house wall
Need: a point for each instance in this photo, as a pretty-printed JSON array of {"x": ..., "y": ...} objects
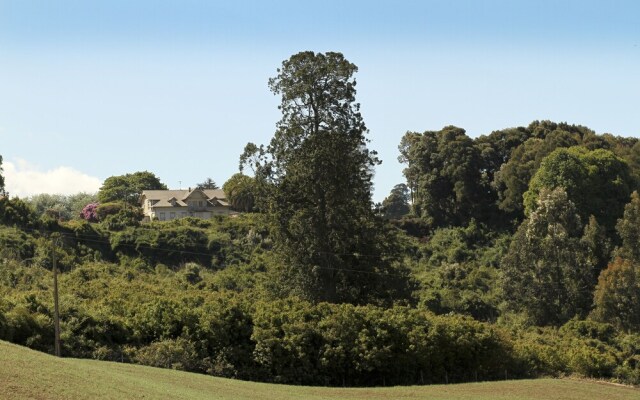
[{"x": 169, "y": 213}]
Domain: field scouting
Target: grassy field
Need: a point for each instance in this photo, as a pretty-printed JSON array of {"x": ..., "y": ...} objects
[{"x": 26, "y": 374}]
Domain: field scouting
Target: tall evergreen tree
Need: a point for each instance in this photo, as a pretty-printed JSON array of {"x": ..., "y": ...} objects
[{"x": 319, "y": 170}]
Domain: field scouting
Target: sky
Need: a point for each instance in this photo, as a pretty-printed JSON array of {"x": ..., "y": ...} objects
[{"x": 92, "y": 89}]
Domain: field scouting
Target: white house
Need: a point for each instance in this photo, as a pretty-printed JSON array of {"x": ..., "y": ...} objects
[{"x": 166, "y": 205}]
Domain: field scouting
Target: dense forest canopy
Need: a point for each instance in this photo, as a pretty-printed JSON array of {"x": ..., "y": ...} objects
[{"x": 512, "y": 254}]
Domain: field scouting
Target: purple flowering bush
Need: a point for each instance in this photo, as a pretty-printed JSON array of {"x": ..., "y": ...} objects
[{"x": 90, "y": 212}]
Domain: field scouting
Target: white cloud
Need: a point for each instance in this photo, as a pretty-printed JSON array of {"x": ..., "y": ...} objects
[{"x": 24, "y": 179}]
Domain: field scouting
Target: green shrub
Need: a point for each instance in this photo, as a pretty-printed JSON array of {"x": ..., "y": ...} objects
[
  {"x": 16, "y": 244},
  {"x": 591, "y": 359},
  {"x": 161, "y": 243},
  {"x": 5, "y": 332},
  {"x": 112, "y": 208},
  {"x": 588, "y": 329},
  {"x": 628, "y": 369},
  {"x": 537, "y": 353},
  {"x": 191, "y": 273},
  {"x": 163, "y": 270},
  {"x": 575, "y": 348},
  {"x": 177, "y": 354},
  {"x": 31, "y": 329},
  {"x": 327, "y": 344},
  {"x": 225, "y": 326},
  {"x": 286, "y": 341},
  {"x": 124, "y": 218},
  {"x": 89, "y": 241},
  {"x": 161, "y": 319},
  {"x": 15, "y": 212}
]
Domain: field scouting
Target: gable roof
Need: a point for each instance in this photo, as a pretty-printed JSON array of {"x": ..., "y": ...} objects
[
  {"x": 168, "y": 203},
  {"x": 218, "y": 202},
  {"x": 198, "y": 193},
  {"x": 164, "y": 196}
]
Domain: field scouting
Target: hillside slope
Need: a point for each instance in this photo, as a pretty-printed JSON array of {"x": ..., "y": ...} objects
[{"x": 27, "y": 374}]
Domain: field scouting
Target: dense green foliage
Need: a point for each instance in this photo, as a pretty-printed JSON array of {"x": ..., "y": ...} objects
[
  {"x": 241, "y": 192},
  {"x": 443, "y": 173},
  {"x": 509, "y": 255},
  {"x": 185, "y": 319},
  {"x": 397, "y": 205},
  {"x": 16, "y": 212},
  {"x": 547, "y": 272},
  {"x": 617, "y": 296},
  {"x": 128, "y": 187},
  {"x": 512, "y": 180},
  {"x": 596, "y": 181},
  {"x": 206, "y": 296},
  {"x": 60, "y": 206}
]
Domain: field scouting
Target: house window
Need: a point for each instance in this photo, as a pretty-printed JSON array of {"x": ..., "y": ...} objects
[
  {"x": 161, "y": 216},
  {"x": 183, "y": 214},
  {"x": 199, "y": 203},
  {"x": 172, "y": 215}
]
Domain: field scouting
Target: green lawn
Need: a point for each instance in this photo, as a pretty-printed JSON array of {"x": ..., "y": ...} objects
[{"x": 27, "y": 374}]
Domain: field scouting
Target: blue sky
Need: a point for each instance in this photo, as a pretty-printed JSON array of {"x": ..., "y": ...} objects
[{"x": 90, "y": 89}]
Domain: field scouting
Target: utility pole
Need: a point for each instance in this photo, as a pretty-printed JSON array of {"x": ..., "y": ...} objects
[{"x": 56, "y": 309}]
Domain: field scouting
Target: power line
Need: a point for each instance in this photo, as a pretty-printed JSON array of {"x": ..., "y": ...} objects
[{"x": 102, "y": 240}]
